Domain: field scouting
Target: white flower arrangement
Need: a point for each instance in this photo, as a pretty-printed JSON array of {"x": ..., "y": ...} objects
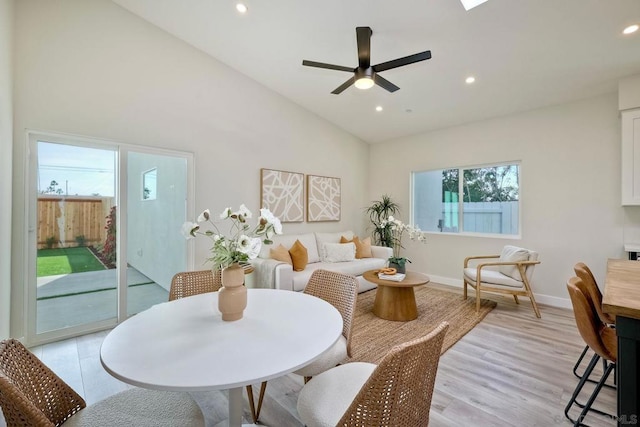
[
  {"x": 398, "y": 229},
  {"x": 242, "y": 242}
]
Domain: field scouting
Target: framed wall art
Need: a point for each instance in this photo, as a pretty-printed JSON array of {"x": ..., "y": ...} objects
[
  {"x": 283, "y": 194},
  {"x": 323, "y": 198}
]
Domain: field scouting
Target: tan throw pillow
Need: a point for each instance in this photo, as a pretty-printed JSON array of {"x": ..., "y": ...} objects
[
  {"x": 299, "y": 256},
  {"x": 363, "y": 247},
  {"x": 281, "y": 254}
]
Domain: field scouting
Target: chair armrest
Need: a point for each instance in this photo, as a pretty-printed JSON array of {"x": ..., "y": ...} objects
[{"x": 467, "y": 259}]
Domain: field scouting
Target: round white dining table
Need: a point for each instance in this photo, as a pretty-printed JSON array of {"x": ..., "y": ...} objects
[{"x": 184, "y": 345}]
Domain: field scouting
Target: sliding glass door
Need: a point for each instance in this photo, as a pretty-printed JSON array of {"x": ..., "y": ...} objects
[{"x": 104, "y": 234}]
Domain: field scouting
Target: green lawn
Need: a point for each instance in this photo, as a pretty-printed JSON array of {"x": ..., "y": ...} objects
[{"x": 66, "y": 260}]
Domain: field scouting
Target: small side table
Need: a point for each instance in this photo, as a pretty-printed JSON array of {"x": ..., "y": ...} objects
[{"x": 396, "y": 300}]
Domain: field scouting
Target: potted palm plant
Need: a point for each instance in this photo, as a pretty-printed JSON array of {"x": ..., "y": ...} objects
[{"x": 379, "y": 213}]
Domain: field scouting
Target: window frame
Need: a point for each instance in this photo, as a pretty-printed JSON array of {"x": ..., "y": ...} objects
[{"x": 461, "y": 170}]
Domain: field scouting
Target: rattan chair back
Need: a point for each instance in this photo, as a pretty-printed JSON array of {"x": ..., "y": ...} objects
[
  {"x": 31, "y": 394},
  {"x": 341, "y": 291},
  {"x": 190, "y": 283},
  {"x": 600, "y": 338},
  {"x": 398, "y": 393},
  {"x": 585, "y": 274}
]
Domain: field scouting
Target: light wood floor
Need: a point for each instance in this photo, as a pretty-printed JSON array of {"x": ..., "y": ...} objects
[{"x": 511, "y": 370}]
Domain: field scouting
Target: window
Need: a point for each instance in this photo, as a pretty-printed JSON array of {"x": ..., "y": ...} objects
[
  {"x": 149, "y": 184},
  {"x": 486, "y": 200}
]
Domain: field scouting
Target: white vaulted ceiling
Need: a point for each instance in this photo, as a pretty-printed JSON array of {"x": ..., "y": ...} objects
[{"x": 524, "y": 54}]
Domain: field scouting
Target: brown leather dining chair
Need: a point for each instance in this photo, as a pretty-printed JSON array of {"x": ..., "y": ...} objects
[
  {"x": 599, "y": 337},
  {"x": 589, "y": 281}
]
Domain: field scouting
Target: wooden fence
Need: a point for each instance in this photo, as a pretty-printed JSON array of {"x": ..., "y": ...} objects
[{"x": 70, "y": 221}]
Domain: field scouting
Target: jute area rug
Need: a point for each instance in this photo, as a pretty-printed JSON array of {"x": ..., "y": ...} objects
[{"x": 372, "y": 337}]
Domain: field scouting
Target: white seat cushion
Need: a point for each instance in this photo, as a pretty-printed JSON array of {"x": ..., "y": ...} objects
[
  {"x": 493, "y": 278},
  {"x": 324, "y": 399},
  {"x": 329, "y": 359},
  {"x": 141, "y": 408},
  {"x": 354, "y": 268}
]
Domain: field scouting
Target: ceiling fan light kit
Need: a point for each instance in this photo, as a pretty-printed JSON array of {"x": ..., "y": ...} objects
[{"x": 365, "y": 75}]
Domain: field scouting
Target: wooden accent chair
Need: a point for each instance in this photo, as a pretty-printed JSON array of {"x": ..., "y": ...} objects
[
  {"x": 341, "y": 291},
  {"x": 31, "y": 394},
  {"x": 397, "y": 392},
  {"x": 589, "y": 281},
  {"x": 600, "y": 338},
  {"x": 190, "y": 283},
  {"x": 510, "y": 274}
]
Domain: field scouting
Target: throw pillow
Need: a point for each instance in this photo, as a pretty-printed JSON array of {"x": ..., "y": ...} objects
[
  {"x": 281, "y": 253},
  {"x": 339, "y": 252},
  {"x": 513, "y": 254},
  {"x": 299, "y": 256},
  {"x": 363, "y": 247}
]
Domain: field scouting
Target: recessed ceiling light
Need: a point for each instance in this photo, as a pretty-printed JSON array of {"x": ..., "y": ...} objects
[
  {"x": 379, "y": 108},
  {"x": 242, "y": 8},
  {"x": 470, "y": 80},
  {"x": 630, "y": 29}
]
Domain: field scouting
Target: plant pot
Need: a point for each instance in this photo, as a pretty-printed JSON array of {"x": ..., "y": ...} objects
[
  {"x": 232, "y": 296},
  {"x": 399, "y": 268}
]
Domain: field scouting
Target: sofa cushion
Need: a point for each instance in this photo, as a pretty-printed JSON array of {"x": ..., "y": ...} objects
[
  {"x": 299, "y": 256},
  {"x": 338, "y": 252},
  {"x": 280, "y": 253},
  {"x": 354, "y": 268}
]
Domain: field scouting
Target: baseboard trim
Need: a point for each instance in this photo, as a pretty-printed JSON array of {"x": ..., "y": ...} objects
[{"x": 540, "y": 298}]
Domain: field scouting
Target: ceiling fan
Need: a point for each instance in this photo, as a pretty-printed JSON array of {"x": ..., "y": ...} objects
[{"x": 365, "y": 75}]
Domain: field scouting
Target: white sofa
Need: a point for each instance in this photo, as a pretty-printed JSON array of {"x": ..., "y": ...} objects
[{"x": 280, "y": 275}]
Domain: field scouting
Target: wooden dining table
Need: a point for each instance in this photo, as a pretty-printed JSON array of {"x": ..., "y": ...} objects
[{"x": 622, "y": 299}]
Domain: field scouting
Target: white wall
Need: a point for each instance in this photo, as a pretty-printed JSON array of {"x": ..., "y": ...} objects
[
  {"x": 570, "y": 188},
  {"x": 92, "y": 68},
  {"x": 6, "y": 147}
]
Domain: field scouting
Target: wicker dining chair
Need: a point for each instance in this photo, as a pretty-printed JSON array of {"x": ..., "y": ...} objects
[
  {"x": 397, "y": 392},
  {"x": 589, "y": 281},
  {"x": 341, "y": 291},
  {"x": 188, "y": 283},
  {"x": 31, "y": 394}
]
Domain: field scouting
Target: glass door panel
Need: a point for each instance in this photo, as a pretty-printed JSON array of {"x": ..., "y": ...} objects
[{"x": 76, "y": 280}]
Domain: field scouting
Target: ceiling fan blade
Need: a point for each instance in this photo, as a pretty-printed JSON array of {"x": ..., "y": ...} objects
[
  {"x": 363, "y": 35},
  {"x": 422, "y": 56},
  {"x": 328, "y": 66},
  {"x": 343, "y": 86},
  {"x": 384, "y": 83}
]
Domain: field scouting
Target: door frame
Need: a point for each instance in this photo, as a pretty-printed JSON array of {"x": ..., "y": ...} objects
[{"x": 29, "y": 317}]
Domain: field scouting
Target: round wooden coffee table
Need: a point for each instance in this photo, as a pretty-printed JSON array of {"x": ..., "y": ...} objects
[{"x": 396, "y": 300}]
